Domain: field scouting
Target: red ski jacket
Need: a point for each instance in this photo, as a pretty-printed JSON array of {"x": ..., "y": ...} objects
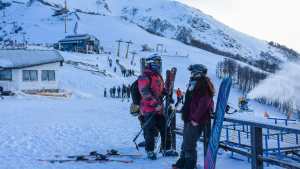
[{"x": 152, "y": 93}]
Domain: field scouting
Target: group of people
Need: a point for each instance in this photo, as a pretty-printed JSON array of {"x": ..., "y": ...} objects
[
  {"x": 127, "y": 72},
  {"x": 118, "y": 92},
  {"x": 197, "y": 107}
]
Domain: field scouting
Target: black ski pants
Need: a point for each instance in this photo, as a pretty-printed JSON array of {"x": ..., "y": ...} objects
[
  {"x": 188, "y": 155},
  {"x": 152, "y": 125}
]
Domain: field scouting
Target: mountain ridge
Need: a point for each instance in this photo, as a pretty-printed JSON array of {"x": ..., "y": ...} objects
[{"x": 165, "y": 18}]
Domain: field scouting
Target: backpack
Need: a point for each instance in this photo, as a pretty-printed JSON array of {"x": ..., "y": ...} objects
[
  {"x": 136, "y": 98},
  {"x": 135, "y": 93}
]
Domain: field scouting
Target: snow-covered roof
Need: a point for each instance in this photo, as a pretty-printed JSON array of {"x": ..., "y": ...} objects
[
  {"x": 20, "y": 58},
  {"x": 78, "y": 37}
]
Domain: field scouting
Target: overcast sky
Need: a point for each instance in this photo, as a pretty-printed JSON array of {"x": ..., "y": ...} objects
[{"x": 276, "y": 20}]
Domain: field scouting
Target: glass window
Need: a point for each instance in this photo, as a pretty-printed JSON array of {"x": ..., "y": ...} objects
[
  {"x": 48, "y": 75},
  {"x": 30, "y": 75},
  {"x": 5, "y": 75}
]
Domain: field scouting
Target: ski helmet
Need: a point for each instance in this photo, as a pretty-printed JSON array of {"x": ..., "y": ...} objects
[
  {"x": 154, "y": 62},
  {"x": 198, "y": 70}
]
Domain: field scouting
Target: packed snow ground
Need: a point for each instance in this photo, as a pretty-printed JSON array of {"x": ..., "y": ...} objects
[{"x": 35, "y": 127}]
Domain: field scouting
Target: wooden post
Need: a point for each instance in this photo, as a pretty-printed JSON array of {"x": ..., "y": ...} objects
[{"x": 256, "y": 148}]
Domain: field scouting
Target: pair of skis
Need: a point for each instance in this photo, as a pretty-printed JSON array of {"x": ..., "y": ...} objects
[
  {"x": 170, "y": 116},
  {"x": 95, "y": 157}
]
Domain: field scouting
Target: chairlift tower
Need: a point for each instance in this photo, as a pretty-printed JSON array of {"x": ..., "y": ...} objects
[
  {"x": 66, "y": 15},
  {"x": 119, "y": 46},
  {"x": 127, "y": 50},
  {"x": 133, "y": 57}
]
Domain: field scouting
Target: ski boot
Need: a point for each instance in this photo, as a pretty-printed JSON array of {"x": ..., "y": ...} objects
[
  {"x": 179, "y": 164},
  {"x": 190, "y": 163},
  {"x": 151, "y": 155}
]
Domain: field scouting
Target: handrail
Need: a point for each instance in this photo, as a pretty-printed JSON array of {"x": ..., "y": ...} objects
[{"x": 262, "y": 125}]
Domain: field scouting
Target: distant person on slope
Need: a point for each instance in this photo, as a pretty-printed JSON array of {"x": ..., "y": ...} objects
[
  {"x": 105, "y": 92},
  {"x": 119, "y": 91},
  {"x": 196, "y": 112},
  {"x": 151, "y": 88},
  {"x": 179, "y": 97},
  {"x": 128, "y": 92}
]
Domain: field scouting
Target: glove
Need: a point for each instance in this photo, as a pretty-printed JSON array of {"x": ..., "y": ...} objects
[
  {"x": 158, "y": 108},
  {"x": 134, "y": 110}
]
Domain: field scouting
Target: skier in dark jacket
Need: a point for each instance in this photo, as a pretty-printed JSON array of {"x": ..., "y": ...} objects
[
  {"x": 105, "y": 93},
  {"x": 196, "y": 112},
  {"x": 123, "y": 91},
  {"x": 119, "y": 91},
  {"x": 128, "y": 91},
  {"x": 114, "y": 91}
]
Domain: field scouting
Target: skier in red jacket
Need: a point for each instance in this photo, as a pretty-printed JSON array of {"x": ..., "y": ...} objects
[
  {"x": 179, "y": 96},
  {"x": 151, "y": 88},
  {"x": 196, "y": 112}
]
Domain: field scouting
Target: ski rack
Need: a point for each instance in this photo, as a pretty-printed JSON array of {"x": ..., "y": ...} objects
[{"x": 262, "y": 144}]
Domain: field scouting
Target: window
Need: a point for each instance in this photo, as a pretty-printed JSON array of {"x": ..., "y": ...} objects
[
  {"x": 5, "y": 75},
  {"x": 30, "y": 75},
  {"x": 48, "y": 75}
]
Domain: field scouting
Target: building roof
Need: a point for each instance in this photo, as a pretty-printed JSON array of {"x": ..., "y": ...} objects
[
  {"x": 78, "y": 37},
  {"x": 21, "y": 58}
]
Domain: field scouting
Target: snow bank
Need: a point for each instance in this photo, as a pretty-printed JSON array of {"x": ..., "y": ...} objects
[{"x": 283, "y": 86}]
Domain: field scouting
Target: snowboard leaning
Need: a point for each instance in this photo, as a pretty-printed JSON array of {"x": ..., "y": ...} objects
[{"x": 213, "y": 144}]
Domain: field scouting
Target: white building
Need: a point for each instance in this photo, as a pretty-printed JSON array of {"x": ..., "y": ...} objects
[{"x": 29, "y": 70}]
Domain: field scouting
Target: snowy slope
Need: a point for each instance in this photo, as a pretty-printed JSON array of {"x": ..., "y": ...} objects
[
  {"x": 43, "y": 127},
  {"x": 165, "y": 18}
]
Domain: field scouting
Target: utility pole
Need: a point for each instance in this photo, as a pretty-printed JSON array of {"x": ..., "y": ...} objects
[
  {"x": 127, "y": 50},
  {"x": 133, "y": 57},
  {"x": 119, "y": 46},
  {"x": 66, "y": 15}
]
